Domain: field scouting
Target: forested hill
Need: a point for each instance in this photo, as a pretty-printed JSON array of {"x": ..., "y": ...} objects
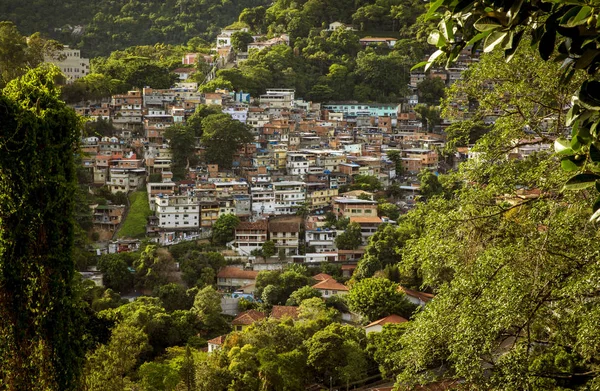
[{"x": 110, "y": 25}]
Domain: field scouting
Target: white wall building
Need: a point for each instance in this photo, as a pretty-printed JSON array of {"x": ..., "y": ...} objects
[
  {"x": 70, "y": 63},
  {"x": 289, "y": 196},
  {"x": 181, "y": 212}
]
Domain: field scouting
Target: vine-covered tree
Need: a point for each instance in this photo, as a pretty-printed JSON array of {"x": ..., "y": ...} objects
[{"x": 41, "y": 343}]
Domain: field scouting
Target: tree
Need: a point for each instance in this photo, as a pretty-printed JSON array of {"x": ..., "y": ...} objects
[
  {"x": 376, "y": 298},
  {"x": 174, "y": 297},
  {"x": 431, "y": 91},
  {"x": 223, "y": 229},
  {"x": 194, "y": 122},
  {"x": 200, "y": 268},
  {"x": 182, "y": 142},
  {"x": 268, "y": 249},
  {"x": 350, "y": 239},
  {"x": 429, "y": 115},
  {"x": 115, "y": 273},
  {"x": 207, "y": 306},
  {"x": 337, "y": 352},
  {"x": 240, "y": 41},
  {"x": 41, "y": 342},
  {"x": 216, "y": 84},
  {"x": 222, "y": 137},
  {"x": 301, "y": 294},
  {"x": 566, "y": 26},
  {"x": 385, "y": 348},
  {"x": 389, "y": 210},
  {"x": 155, "y": 267},
  {"x": 396, "y": 157},
  {"x": 430, "y": 186},
  {"x": 155, "y": 376},
  {"x": 109, "y": 367},
  {"x": 366, "y": 183},
  {"x": 254, "y": 18},
  {"x": 524, "y": 265}
]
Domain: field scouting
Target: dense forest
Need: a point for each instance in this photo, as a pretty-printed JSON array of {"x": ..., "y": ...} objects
[{"x": 101, "y": 27}]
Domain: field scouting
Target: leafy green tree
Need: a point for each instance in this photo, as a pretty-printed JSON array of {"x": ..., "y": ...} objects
[
  {"x": 194, "y": 122},
  {"x": 155, "y": 267},
  {"x": 268, "y": 249},
  {"x": 350, "y": 239},
  {"x": 337, "y": 352},
  {"x": 182, "y": 142},
  {"x": 200, "y": 269},
  {"x": 385, "y": 347},
  {"x": 385, "y": 248},
  {"x": 240, "y": 41},
  {"x": 41, "y": 343},
  {"x": 216, "y": 84},
  {"x": 396, "y": 157},
  {"x": 155, "y": 376},
  {"x": 174, "y": 297},
  {"x": 431, "y": 91},
  {"x": 301, "y": 294},
  {"x": 430, "y": 186},
  {"x": 375, "y": 298},
  {"x": 223, "y": 229},
  {"x": 110, "y": 366},
  {"x": 115, "y": 273},
  {"x": 387, "y": 209},
  {"x": 429, "y": 115},
  {"x": 254, "y": 18},
  {"x": 222, "y": 137},
  {"x": 366, "y": 183},
  {"x": 207, "y": 306}
]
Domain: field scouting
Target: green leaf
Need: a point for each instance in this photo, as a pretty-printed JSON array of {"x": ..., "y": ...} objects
[
  {"x": 589, "y": 95},
  {"x": 575, "y": 143},
  {"x": 478, "y": 37},
  {"x": 432, "y": 8},
  {"x": 572, "y": 115},
  {"x": 432, "y": 58},
  {"x": 487, "y": 23},
  {"x": 436, "y": 39},
  {"x": 580, "y": 18},
  {"x": 418, "y": 65},
  {"x": 568, "y": 165},
  {"x": 570, "y": 14},
  {"x": 513, "y": 11},
  {"x": 493, "y": 40},
  {"x": 581, "y": 181},
  {"x": 594, "y": 153},
  {"x": 562, "y": 146},
  {"x": 546, "y": 46},
  {"x": 586, "y": 59},
  {"x": 446, "y": 28}
]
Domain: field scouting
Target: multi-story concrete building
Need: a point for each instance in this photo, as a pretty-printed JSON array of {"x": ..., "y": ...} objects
[
  {"x": 262, "y": 199},
  {"x": 178, "y": 212},
  {"x": 250, "y": 236},
  {"x": 70, "y": 62},
  {"x": 289, "y": 196}
]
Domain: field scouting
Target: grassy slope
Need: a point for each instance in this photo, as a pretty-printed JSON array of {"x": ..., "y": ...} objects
[{"x": 135, "y": 223}]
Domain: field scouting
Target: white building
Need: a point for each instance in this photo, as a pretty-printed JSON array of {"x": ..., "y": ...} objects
[
  {"x": 289, "y": 196},
  {"x": 321, "y": 240},
  {"x": 180, "y": 212},
  {"x": 297, "y": 164},
  {"x": 262, "y": 199},
  {"x": 71, "y": 64}
]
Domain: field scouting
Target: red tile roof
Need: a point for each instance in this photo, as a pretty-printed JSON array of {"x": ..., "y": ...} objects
[
  {"x": 424, "y": 297},
  {"x": 284, "y": 311},
  {"x": 248, "y": 317},
  {"x": 322, "y": 277},
  {"x": 392, "y": 319},
  {"x": 218, "y": 340},
  {"x": 250, "y": 226},
  {"x": 365, "y": 220},
  {"x": 331, "y": 284},
  {"x": 236, "y": 272}
]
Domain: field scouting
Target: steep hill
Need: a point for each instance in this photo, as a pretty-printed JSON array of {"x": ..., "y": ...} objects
[{"x": 102, "y": 26}]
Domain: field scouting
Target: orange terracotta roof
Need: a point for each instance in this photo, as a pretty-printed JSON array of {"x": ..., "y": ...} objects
[
  {"x": 236, "y": 272},
  {"x": 331, "y": 284},
  {"x": 218, "y": 340},
  {"x": 322, "y": 277},
  {"x": 348, "y": 267},
  {"x": 425, "y": 297},
  {"x": 248, "y": 317},
  {"x": 284, "y": 311},
  {"x": 391, "y": 319},
  {"x": 365, "y": 220},
  {"x": 247, "y": 225}
]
